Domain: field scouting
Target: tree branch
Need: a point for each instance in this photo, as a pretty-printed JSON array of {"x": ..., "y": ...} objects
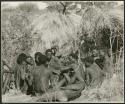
[
  {"x": 62, "y": 4},
  {"x": 64, "y": 7}
]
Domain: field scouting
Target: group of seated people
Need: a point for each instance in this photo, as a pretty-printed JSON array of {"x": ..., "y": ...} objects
[{"x": 54, "y": 77}]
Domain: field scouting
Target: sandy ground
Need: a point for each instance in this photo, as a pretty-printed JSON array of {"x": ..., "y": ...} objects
[
  {"x": 13, "y": 97},
  {"x": 110, "y": 91}
]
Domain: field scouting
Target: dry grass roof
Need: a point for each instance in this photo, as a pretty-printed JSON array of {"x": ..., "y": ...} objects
[
  {"x": 94, "y": 19},
  {"x": 53, "y": 28}
]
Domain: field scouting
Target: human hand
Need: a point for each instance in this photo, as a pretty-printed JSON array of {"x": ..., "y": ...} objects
[
  {"x": 58, "y": 72},
  {"x": 26, "y": 75}
]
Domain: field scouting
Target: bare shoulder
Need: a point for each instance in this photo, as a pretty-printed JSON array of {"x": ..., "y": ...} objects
[{"x": 55, "y": 59}]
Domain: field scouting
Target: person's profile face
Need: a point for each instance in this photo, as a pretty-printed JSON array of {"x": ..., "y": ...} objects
[
  {"x": 29, "y": 60},
  {"x": 53, "y": 51},
  {"x": 95, "y": 53},
  {"x": 23, "y": 62},
  {"x": 49, "y": 55},
  {"x": 87, "y": 64}
]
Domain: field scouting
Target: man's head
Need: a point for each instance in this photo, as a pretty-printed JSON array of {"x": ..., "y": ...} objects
[
  {"x": 54, "y": 50},
  {"x": 95, "y": 53},
  {"x": 37, "y": 55},
  {"x": 48, "y": 53},
  {"x": 21, "y": 59},
  {"x": 40, "y": 59},
  {"x": 30, "y": 60},
  {"x": 89, "y": 61}
]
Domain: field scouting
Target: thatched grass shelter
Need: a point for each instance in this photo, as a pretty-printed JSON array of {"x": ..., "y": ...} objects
[
  {"x": 53, "y": 28},
  {"x": 97, "y": 23},
  {"x": 94, "y": 19}
]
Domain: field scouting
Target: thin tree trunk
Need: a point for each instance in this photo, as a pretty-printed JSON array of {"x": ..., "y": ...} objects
[
  {"x": 8, "y": 77},
  {"x": 64, "y": 8},
  {"x": 6, "y": 83}
]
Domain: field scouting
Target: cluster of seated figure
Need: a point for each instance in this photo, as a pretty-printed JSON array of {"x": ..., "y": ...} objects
[{"x": 56, "y": 78}]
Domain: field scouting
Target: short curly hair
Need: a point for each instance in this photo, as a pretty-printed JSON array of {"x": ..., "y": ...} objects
[
  {"x": 47, "y": 51},
  {"x": 42, "y": 59},
  {"x": 22, "y": 57}
]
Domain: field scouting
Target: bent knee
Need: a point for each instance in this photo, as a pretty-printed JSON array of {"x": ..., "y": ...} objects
[
  {"x": 82, "y": 86},
  {"x": 62, "y": 97}
]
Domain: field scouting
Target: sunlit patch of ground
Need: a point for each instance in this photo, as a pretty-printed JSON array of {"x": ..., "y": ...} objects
[
  {"x": 88, "y": 96},
  {"x": 14, "y": 97}
]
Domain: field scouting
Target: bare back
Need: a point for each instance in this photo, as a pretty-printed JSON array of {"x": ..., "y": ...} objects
[{"x": 41, "y": 77}]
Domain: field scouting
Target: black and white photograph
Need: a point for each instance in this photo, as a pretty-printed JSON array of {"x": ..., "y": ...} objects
[{"x": 62, "y": 51}]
